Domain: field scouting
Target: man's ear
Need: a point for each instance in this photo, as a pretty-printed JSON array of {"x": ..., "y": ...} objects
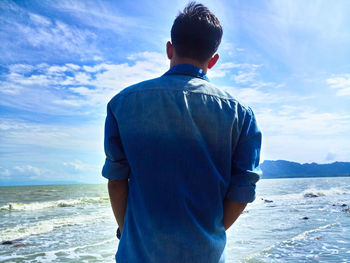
[
  {"x": 213, "y": 60},
  {"x": 169, "y": 50}
]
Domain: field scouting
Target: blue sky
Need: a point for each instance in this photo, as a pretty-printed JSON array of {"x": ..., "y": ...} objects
[{"x": 61, "y": 61}]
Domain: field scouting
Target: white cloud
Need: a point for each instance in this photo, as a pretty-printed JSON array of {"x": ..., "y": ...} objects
[
  {"x": 70, "y": 102},
  {"x": 323, "y": 20},
  {"x": 7, "y": 124},
  {"x": 263, "y": 84},
  {"x": 344, "y": 92},
  {"x": 77, "y": 86},
  {"x": 246, "y": 72},
  {"x": 83, "y": 78},
  {"x": 255, "y": 96},
  {"x": 25, "y": 172},
  {"x": 4, "y": 172},
  {"x": 39, "y": 20},
  {"x": 303, "y": 134},
  {"x": 244, "y": 77},
  {"x": 9, "y": 88},
  {"x": 148, "y": 56},
  {"x": 84, "y": 91},
  {"x": 43, "y": 33},
  {"x": 230, "y": 48},
  {"x": 81, "y": 166},
  {"x": 57, "y": 69},
  {"x": 28, "y": 170},
  {"x": 330, "y": 156},
  {"x": 97, "y": 58},
  {"x": 304, "y": 148},
  {"x": 21, "y": 68},
  {"x": 298, "y": 33},
  {"x": 226, "y": 45},
  {"x": 215, "y": 73},
  {"x": 105, "y": 16},
  {"x": 341, "y": 83},
  {"x": 305, "y": 121},
  {"x": 222, "y": 69},
  {"x": 95, "y": 68},
  {"x": 73, "y": 66},
  {"x": 87, "y": 137}
]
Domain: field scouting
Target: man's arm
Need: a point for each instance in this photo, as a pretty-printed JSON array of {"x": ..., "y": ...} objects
[
  {"x": 245, "y": 170},
  {"x": 118, "y": 194},
  {"x": 116, "y": 168},
  {"x": 232, "y": 210}
]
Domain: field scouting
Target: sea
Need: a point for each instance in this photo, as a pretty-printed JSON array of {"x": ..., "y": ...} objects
[{"x": 291, "y": 220}]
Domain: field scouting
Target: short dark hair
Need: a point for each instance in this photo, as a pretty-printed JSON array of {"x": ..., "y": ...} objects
[{"x": 196, "y": 33}]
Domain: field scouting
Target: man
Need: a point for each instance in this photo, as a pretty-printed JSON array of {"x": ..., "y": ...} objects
[{"x": 182, "y": 155}]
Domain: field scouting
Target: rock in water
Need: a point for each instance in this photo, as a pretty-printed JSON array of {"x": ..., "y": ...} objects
[
  {"x": 8, "y": 242},
  {"x": 20, "y": 245},
  {"x": 15, "y": 243},
  {"x": 310, "y": 195}
]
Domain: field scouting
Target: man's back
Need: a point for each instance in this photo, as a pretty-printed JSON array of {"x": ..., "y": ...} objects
[{"x": 185, "y": 146}]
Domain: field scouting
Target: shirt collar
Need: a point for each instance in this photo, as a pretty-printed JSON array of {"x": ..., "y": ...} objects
[{"x": 187, "y": 69}]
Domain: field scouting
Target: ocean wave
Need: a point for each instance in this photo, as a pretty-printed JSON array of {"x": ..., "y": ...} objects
[
  {"x": 286, "y": 246},
  {"x": 313, "y": 192},
  {"x": 72, "y": 252},
  {"x": 45, "y": 191},
  {"x": 307, "y": 193},
  {"x": 306, "y": 233},
  {"x": 45, "y": 226},
  {"x": 53, "y": 204}
]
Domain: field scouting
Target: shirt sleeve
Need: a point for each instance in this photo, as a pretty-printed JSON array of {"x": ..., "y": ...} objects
[
  {"x": 116, "y": 166},
  {"x": 245, "y": 162}
]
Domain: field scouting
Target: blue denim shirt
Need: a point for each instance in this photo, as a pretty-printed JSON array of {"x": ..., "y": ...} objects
[{"x": 185, "y": 145}]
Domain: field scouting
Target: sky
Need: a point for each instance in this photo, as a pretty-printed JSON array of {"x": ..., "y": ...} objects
[{"x": 62, "y": 61}]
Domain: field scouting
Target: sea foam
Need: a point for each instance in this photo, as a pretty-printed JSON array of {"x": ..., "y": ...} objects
[
  {"x": 52, "y": 204},
  {"x": 45, "y": 226}
]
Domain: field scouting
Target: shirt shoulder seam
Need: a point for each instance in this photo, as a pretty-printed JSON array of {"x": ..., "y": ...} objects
[{"x": 127, "y": 93}]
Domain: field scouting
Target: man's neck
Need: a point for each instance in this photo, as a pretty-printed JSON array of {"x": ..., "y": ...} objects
[{"x": 177, "y": 61}]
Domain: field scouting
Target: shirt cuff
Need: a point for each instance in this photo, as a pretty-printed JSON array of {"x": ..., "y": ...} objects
[
  {"x": 241, "y": 194},
  {"x": 115, "y": 170}
]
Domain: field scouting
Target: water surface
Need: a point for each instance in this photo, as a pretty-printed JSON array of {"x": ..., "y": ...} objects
[{"x": 292, "y": 220}]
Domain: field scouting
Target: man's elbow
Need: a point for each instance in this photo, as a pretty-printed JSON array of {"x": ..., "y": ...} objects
[{"x": 118, "y": 185}]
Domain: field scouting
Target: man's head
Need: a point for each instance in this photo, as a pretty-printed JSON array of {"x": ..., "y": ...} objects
[{"x": 196, "y": 33}]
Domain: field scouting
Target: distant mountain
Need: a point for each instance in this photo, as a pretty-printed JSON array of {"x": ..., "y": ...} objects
[{"x": 286, "y": 169}]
